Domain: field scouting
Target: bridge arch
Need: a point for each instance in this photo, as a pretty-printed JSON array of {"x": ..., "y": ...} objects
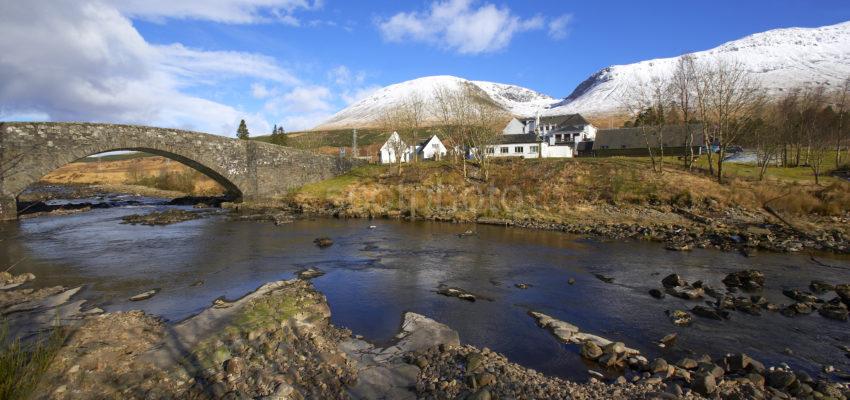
[{"x": 247, "y": 169}]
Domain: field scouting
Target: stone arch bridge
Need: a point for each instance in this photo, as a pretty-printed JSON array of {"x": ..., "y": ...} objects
[{"x": 247, "y": 169}]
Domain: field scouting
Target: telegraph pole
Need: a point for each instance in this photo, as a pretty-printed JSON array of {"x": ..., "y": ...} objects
[{"x": 354, "y": 143}]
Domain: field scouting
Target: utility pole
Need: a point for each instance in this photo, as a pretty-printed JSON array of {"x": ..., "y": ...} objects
[{"x": 354, "y": 143}]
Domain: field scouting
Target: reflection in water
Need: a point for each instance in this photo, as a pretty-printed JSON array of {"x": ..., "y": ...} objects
[{"x": 374, "y": 275}]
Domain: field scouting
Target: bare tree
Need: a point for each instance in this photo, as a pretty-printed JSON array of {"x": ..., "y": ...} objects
[
  {"x": 682, "y": 89},
  {"x": 648, "y": 104},
  {"x": 484, "y": 129},
  {"x": 733, "y": 99},
  {"x": 765, "y": 137},
  {"x": 452, "y": 111},
  {"x": 842, "y": 136},
  {"x": 413, "y": 115},
  {"x": 393, "y": 122}
]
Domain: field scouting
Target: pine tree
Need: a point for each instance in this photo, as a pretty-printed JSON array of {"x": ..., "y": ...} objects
[
  {"x": 242, "y": 132},
  {"x": 279, "y": 136}
]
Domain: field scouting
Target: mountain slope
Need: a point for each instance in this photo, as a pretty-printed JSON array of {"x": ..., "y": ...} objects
[
  {"x": 367, "y": 112},
  {"x": 780, "y": 59}
]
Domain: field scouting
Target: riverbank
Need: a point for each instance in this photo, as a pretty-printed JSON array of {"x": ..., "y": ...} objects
[
  {"x": 610, "y": 198},
  {"x": 278, "y": 343}
]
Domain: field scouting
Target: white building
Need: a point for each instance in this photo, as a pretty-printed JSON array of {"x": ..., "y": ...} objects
[
  {"x": 568, "y": 128},
  {"x": 528, "y": 145},
  {"x": 391, "y": 146},
  {"x": 556, "y": 136},
  {"x": 431, "y": 149}
]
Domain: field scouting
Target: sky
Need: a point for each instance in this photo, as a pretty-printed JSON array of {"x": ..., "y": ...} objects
[{"x": 205, "y": 64}]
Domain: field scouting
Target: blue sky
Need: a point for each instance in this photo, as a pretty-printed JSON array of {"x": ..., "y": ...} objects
[{"x": 203, "y": 65}]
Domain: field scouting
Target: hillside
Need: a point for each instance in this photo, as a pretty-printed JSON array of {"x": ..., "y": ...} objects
[
  {"x": 780, "y": 59},
  {"x": 367, "y": 112}
]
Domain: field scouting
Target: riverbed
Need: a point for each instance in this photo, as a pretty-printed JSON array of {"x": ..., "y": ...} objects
[{"x": 376, "y": 270}]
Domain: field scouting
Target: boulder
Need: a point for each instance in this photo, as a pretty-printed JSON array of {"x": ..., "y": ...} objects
[
  {"x": 604, "y": 278},
  {"x": 820, "y": 287},
  {"x": 522, "y": 285},
  {"x": 323, "y": 242},
  {"x": 843, "y": 291},
  {"x": 737, "y": 362},
  {"x": 680, "y": 318},
  {"x": 712, "y": 313},
  {"x": 656, "y": 293},
  {"x": 748, "y": 279},
  {"x": 834, "y": 311},
  {"x": 310, "y": 273},
  {"x": 800, "y": 296},
  {"x": 145, "y": 295},
  {"x": 456, "y": 292},
  {"x": 687, "y": 363},
  {"x": 712, "y": 369},
  {"x": 704, "y": 384},
  {"x": 673, "y": 280},
  {"x": 686, "y": 292},
  {"x": 590, "y": 350},
  {"x": 659, "y": 365},
  {"x": 779, "y": 379},
  {"x": 669, "y": 339}
]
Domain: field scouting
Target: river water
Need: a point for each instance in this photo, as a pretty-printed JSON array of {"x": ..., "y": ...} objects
[{"x": 376, "y": 274}]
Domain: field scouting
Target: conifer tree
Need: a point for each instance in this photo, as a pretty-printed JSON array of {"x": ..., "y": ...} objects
[{"x": 242, "y": 132}]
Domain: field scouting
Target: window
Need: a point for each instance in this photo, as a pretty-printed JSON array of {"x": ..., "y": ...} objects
[
  {"x": 518, "y": 149},
  {"x": 533, "y": 149},
  {"x": 503, "y": 150},
  {"x": 491, "y": 150}
]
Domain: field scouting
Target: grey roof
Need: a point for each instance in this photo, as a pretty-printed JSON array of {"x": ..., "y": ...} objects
[
  {"x": 516, "y": 139},
  {"x": 424, "y": 142},
  {"x": 565, "y": 120},
  {"x": 632, "y": 138}
]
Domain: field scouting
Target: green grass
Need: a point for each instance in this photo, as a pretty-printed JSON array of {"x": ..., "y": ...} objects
[
  {"x": 23, "y": 364},
  {"x": 336, "y": 185}
]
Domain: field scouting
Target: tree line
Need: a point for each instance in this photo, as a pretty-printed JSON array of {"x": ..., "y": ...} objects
[{"x": 721, "y": 102}]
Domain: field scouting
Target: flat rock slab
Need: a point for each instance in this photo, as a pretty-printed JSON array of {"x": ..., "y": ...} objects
[{"x": 382, "y": 372}]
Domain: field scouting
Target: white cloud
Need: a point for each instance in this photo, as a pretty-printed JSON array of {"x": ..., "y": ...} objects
[
  {"x": 459, "y": 26},
  {"x": 354, "y": 95},
  {"x": 303, "y": 99},
  {"x": 559, "y": 27},
  {"x": 260, "y": 91},
  {"x": 84, "y": 61},
  {"x": 202, "y": 65},
  {"x": 343, "y": 76},
  {"x": 225, "y": 11}
]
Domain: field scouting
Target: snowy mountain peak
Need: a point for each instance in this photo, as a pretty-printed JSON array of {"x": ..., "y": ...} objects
[
  {"x": 780, "y": 59},
  {"x": 367, "y": 112}
]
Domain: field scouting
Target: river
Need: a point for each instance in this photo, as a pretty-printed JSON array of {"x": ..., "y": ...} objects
[{"x": 376, "y": 274}]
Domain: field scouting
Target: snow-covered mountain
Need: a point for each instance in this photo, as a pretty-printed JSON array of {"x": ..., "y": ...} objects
[
  {"x": 367, "y": 112},
  {"x": 780, "y": 59}
]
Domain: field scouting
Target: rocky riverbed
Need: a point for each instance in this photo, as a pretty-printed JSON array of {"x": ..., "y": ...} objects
[
  {"x": 703, "y": 226},
  {"x": 278, "y": 343}
]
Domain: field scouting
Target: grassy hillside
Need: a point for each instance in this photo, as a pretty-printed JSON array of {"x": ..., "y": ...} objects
[{"x": 563, "y": 190}]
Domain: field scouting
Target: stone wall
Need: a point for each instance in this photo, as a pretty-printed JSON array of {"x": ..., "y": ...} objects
[{"x": 248, "y": 169}]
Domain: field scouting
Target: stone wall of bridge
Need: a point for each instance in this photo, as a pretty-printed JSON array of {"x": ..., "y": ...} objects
[{"x": 247, "y": 169}]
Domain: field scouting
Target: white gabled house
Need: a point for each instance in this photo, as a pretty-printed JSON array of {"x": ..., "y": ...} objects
[
  {"x": 431, "y": 149},
  {"x": 391, "y": 146}
]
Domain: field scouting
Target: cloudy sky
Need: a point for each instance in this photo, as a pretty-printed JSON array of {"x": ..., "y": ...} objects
[{"x": 206, "y": 64}]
